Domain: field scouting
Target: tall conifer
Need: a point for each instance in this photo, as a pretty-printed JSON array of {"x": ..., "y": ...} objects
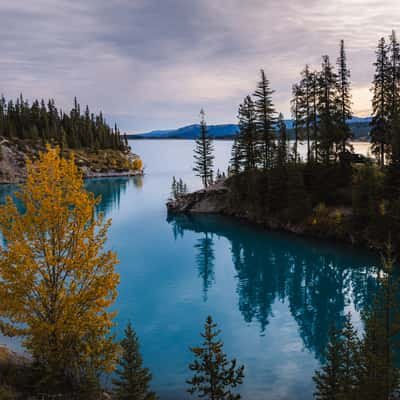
[
  {"x": 133, "y": 380},
  {"x": 265, "y": 119},
  {"x": 344, "y": 98},
  {"x": 214, "y": 375},
  {"x": 203, "y": 154}
]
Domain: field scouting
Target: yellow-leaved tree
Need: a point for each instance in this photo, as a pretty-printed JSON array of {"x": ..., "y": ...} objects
[{"x": 57, "y": 281}]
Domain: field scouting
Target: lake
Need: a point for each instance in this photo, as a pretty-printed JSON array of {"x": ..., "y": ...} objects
[{"x": 273, "y": 295}]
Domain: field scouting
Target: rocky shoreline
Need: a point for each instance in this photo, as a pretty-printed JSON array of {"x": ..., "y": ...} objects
[{"x": 219, "y": 199}]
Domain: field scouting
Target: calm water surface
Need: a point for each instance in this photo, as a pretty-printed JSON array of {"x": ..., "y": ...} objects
[{"x": 273, "y": 295}]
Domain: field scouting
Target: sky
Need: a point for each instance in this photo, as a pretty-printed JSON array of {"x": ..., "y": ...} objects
[{"x": 153, "y": 64}]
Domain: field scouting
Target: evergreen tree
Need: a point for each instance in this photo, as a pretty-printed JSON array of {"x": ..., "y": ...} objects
[
  {"x": 297, "y": 119},
  {"x": 214, "y": 376},
  {"x": 265, "y": 119},
  {"x": 203, "y": 154},
  {"x": 282, "y": 156},
  {"x": 351, "y": 361},
  {"x": 344, "y": 98},
  {"x": 328, "y": 111},
  {"x": 234, "y": 167},
  {"x": 380, "y": 108},
  {"x": 247, "y": 143},
  {"x": 205, "y": 261},
  {"x": 328, "y": 379},
  {"x": 307, "y": 107},
  {"x": 133, "y": 380}
]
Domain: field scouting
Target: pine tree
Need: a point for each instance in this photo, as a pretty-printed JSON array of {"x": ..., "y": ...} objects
[
  {"x": 351, "y": 359},
  {"x": 174, "y": 190},
  {"x": 265, "y": 119},
  {"x": 205, "y": 261},
  {"x": 133, "y": 382},
  {"x": 248, "y": 149},
  {"x": 282, "y": 156},
  {"x": 234, "y": 165},
  {"x": 203, "y": 154},
  {"x": 380, "y": 107},
  {"x": 214, "y": 376},
  {"x": 327, "y": 380},
  {"x": 344, "y": 98},
  {"x": 297, "y": 119},
  {"x": 328, "y": 110},
  {"x": 307, "y": 107}
]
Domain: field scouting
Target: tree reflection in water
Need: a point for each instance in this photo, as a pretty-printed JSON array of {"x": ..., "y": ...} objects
[{"x": 318, "y": 279}]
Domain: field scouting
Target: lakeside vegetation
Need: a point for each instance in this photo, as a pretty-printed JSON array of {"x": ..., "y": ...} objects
[{"x": 331, "y": 192}]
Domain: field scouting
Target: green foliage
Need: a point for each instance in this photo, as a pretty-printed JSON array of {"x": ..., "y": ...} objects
[
  {"x": 133, "y": 380},
  {"x": 203, "y": 154},
  {"x": 385, "y": 134},
  {"x": 367, "y": 193},
  {"x": 214, "y": 375},
  {"x": 75, "y": 130},
  {"x": 338, "y": 377},
  {"x": 178, "y": 188},
  {"x": 265, "y": 120},
  {"x": 298, "y": 202},
  {"x": 247, "y": 149}
]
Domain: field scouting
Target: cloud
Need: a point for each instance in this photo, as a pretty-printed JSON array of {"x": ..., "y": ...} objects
[{"x": 152, "y": 64}]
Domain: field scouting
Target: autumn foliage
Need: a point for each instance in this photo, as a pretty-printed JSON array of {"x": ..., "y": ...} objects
[{"x": 56, "y": 280}]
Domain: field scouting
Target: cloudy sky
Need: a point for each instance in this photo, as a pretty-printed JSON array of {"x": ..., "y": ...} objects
[{"x": 152, "y": 64}]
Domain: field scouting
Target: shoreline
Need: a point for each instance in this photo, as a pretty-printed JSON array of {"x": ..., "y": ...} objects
[{"x": 215, "y": 200}]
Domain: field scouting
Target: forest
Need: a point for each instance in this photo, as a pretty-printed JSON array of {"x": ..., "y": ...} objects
[
  {"x": 328, "y": 190},
  {"x": 43, "y": 121}
]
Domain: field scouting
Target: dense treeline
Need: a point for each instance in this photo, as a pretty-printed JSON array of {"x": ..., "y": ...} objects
[
  {"x": 74, "y": 130},
  {"x": 328, "y": 188},
  {"x": 321, "y": 108}
]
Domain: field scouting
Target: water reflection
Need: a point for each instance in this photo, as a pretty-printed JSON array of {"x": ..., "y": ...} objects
[
  {"x": 205, "y": 261},
  {"x": 111, "y": 190},
  {"x": 318, "y": 281}
]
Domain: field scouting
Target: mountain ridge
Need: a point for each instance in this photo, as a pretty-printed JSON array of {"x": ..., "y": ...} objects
[{"x": 359, "y": 126}]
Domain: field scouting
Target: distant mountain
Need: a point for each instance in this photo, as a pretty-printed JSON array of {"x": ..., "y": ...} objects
[{"x": 359, "y": 126}]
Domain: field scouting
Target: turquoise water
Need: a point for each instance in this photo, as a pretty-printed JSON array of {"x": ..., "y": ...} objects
[{"x": 273, "y": 295}]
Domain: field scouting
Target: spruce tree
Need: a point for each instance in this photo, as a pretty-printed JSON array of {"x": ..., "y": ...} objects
[
  {"x": 265, "y": 119},
  {"x": 351, "y": 361},
  {"x": 214, "y": 375},
  {"x": 133, "y": 380},
  {"x": 203, "y": 154},
  {"x": 328, "y": 379},
  {"x": 297, "y": 119},
  {"x": 234, "y": 165},
  {"x": 306, "y": 107},
  {"x": 205, "y": 261},
  {"x": 328, "y": 111},
  {"x": 282, "y": 154},
  {"x": 247, "y": 143},
  {"x": 344, "y": 98},
  {"x": 380, "y": 104}
]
